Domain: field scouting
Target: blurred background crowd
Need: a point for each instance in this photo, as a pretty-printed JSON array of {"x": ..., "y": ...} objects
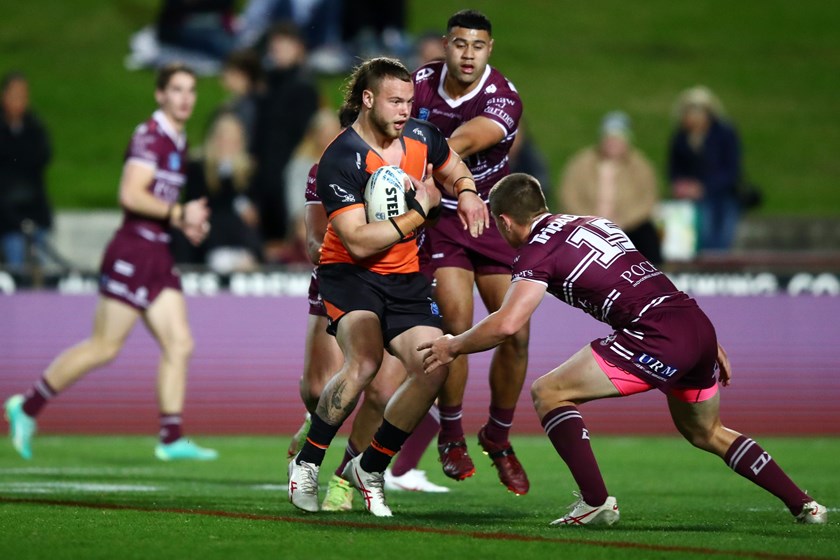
[{"x": 274, "y": 68}]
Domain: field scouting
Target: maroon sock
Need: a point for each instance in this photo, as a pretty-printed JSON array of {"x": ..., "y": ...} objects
[
  {"x": 416, "y": 444},
  {"x": 498, "y": 424},
  {"x": 349, "y": 453},
  {"x": 565, "y": 428},
  {"x": 748, "y": 459},
  {"x": 450, "y": 424},
  {"x": 170, "y": 428},
  {"x": 37, "y": 396}
]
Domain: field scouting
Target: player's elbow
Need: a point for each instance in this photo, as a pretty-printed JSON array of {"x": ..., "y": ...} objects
[{"x": 509, "y": 326}]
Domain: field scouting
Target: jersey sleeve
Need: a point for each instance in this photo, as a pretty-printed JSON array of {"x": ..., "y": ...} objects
[
  {"x": 438, "y": 146},
  {"x": 143, "y": 147},
  {"x": 340, "y": 183},
  {"x": 533, "y": 262},
  {"x": 504, "y": 107},
  {"x": 312, "y": 186}
]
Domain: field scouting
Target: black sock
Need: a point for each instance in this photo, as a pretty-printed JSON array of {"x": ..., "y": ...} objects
[
  {"x": 385, "y": 444},
  {"x": 318, "y": 439}
]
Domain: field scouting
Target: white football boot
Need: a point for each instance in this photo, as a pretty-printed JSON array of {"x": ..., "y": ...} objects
[
  {"x": 813, "y": 513},
  {"x": 303, "y": 485},
  {"x": 371, "y": 485},
  {"x": 412, "y": 481},
  {"x": 581, "y": 513}
]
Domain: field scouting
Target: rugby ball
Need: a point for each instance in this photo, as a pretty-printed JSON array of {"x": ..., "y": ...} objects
[{"x": 385, "y": 193}]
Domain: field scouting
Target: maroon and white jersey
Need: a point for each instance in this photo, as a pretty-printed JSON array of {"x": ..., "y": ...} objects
[
  {"x": 494, "y": 98},
  {"x": 589, "y": 263},
  {"x": 156, "y": 144},
  {"x": 312, "y": 186}
]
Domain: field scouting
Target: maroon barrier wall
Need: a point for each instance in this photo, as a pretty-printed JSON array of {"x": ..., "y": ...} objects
[{"x": 249, "y": 355}]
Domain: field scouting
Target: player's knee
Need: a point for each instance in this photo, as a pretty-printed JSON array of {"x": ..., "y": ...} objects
[
  {"x": 700, "y": 437},
  {"x": 179, "y": 346},
  {"x": 539, "y": 391},
  {"x": 361, "y": 370},
  {"x": 105, "y": 350}
]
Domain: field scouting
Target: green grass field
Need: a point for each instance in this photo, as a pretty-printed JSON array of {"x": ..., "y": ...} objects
[
  {"x": 106, "y": 497},
  {"x": 775, "y": 64}
]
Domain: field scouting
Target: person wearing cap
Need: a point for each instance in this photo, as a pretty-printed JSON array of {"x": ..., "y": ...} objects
[
  {"x": 615, "y": 180},
  {"x": 704, "y": 165}
]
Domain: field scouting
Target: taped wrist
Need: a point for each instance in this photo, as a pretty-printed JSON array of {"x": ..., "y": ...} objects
[{"x": 411, "y": 202}]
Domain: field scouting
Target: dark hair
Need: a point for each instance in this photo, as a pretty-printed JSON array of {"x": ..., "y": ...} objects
[
  {"x": 247, "y": 62},
  {"x": 519, "y": 196},
  {"x": 9, "y": 77},
  {"x": 346, "y": 115},
  {"x": 368, "y": 75},
  {"x": 469, "y": 19},
  {"x": 166, "y": 72}
]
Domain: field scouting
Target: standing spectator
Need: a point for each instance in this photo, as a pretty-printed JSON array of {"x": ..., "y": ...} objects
[
  {"x": 204, "y": 26},
  {"x": 24, "y": 154},
  {"x": 242, "y": 79},
  {"x": 222, "y": 176},
  {"x": 137, "y": 277},
  {"x": 616, "y": 181},
  {"x": 704, "y": 165},
  {"x": 290, "y": 101}
]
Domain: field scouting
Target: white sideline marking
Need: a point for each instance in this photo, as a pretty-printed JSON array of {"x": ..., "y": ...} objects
[
  {"x": 272, "y": 487},
  {"x": 76, "y": 470},
  {"x": 52, "y": 487}
]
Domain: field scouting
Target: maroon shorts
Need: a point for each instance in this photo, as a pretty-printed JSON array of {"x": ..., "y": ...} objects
[
  {"x": 672, "y": 347},
  {"x": 449, "y": 244},
  {"x": 316, "y": 304},
  {"x": 135, "y": 270}
]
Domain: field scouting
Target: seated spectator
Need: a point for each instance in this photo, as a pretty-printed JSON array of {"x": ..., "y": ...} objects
[
  {"x": 616, "y": 181},
  {"x": 290, "y": 100},
  {"x": 223, "y": 176},
  {"x": 704, "y": 165},
  {"x": 204, "y": 26},
  {"x": 25, "y": 213},
  {"x": 242, "y": 79}
]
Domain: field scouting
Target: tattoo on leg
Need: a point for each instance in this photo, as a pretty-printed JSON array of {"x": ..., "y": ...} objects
[{"x": 331, "y": 407}]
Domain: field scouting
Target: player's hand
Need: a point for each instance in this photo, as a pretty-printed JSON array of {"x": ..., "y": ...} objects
[
  {"x": 725, "y": 372},
  {"x": 473, "y": 213},
  {"x": 194, "y": 222},
  {"x": 438, "y": 353},
  {"x": 425, "y": 191}
]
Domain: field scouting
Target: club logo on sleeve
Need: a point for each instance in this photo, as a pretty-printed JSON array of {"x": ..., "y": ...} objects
[
  {"x": 342, "y": 194},
  {"x": 174, "y": 161},
  {"x": 423, "y": 114}
]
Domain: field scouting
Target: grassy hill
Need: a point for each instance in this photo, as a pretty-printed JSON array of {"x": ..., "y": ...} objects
[{"x": 775, "y": 64}]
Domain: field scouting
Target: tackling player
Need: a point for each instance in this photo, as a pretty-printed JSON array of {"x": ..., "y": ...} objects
[
  {"x": 369, "y": 275},
  {"x": 661, "y": 339},
  {"x": 138, "y": 277},
  {"x": 478, "y": 110}
]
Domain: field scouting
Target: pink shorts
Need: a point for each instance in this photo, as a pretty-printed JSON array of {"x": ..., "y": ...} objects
[{"x": 628, "y": 384}]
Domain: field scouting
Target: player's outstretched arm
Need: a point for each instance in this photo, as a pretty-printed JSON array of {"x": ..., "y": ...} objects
[
  {"x": 458, "y": 181},
  {"x": 521, "y": 300},
  {"x": 475, "y": 135},
  {"x": 725, "y": 373}
]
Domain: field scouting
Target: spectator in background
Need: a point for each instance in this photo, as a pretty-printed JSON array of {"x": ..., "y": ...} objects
[
  {"x": 375, "y": 27},
  {"x": 285, "y": 110},
  {"x": 242, "y": 79},
  {"x": 526, "y": 157},
  {"x": 323, "y": 128},
  {"x": 616, "y": 181},
  {"x": 24, "y": 154},
  {"x": 223, "y": 176},
  {"x": 429, "y": 48},
  {"x": 204, "y": 26},
  {"x": 704, "y": 165}
]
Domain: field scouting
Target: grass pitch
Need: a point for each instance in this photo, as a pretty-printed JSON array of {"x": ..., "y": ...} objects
[{"x": 107, "y": 497}]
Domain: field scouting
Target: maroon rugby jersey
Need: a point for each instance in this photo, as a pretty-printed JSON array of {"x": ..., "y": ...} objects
[
  {"x": 156, "y": 144},
  {"x": 312, "y": 186},
  {"x": 589, "y": 263},
  {"x": 494, "y": 98}
]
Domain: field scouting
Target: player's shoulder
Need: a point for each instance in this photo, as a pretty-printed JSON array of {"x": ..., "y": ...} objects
[
  {"x": 428, "y": 74},
  {"x": 422, "y": 130},
  {"x": 497, "y": 84}
]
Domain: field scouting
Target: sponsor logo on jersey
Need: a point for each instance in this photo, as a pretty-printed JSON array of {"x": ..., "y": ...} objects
[
  {"x": 342, "y": 194},
  {"x": 524, "y": 274},
  {"x": 433, "y": 306},
  {"x": 639, "y": 272},
  {"x": 655, "y": 365},
  {"x": 174, "y": 161},
  {"x": 500, "y": 113},
  {"x": 419, "y": 132},
  {"x": 490, "y": 89},
  {"x": 423, "y": 114},
  {"x": 502, "y": 101},
  {"x": 423, "y": 74}
]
